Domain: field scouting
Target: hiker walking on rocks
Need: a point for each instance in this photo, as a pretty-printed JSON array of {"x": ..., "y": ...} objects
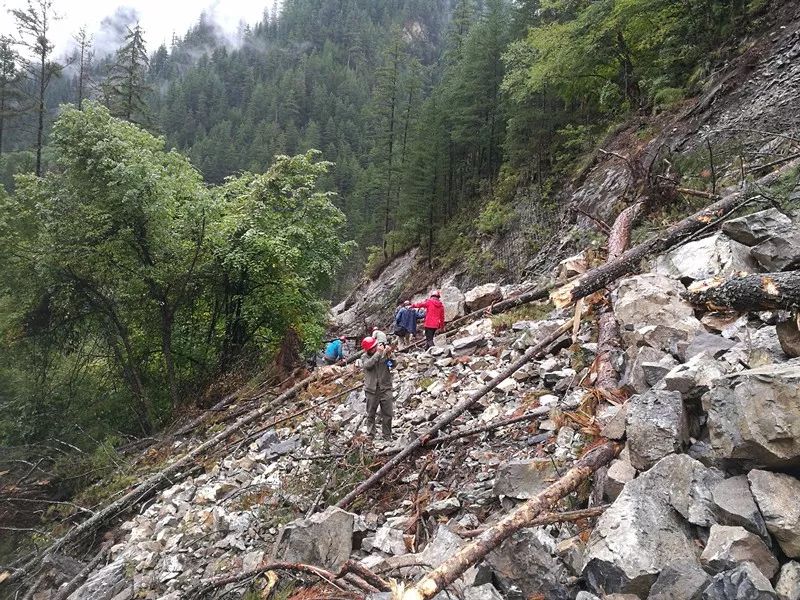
[
  {"x": 378, "y": 385},
  {"x": 405, "y": 323},
  {"x": 434, "y": 316}
]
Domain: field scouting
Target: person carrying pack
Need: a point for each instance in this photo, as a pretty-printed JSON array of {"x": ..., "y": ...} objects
[{"x": 378, "y": 385}]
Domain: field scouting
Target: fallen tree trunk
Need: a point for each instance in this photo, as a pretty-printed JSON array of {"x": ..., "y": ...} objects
[
  {"x": 537, "y": 413},
  {"x": 608, "y": 342},
  {"x": 548, "y": 519},
  {"x": 455, "y": 566},
  {"x": 452, "y": 414},
  {"x": 748, "y": 293},
  {"x": 76, "y": 581},
  {"x": 597, "y": 279}
]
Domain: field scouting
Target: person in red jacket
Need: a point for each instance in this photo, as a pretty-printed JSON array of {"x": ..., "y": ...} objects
[{"x": 434, "y": 316}]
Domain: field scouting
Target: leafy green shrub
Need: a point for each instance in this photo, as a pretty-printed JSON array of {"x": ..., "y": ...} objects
[
  {"x": 667, "y": 98},
  {"x": 494, "y": 217}
]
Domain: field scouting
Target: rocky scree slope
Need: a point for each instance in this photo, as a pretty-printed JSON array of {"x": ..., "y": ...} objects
[{"x": 701, "y": 501}]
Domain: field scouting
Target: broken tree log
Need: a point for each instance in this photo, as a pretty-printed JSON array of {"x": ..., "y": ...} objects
[
  {"x": 536, "y": 413},
  {"x": 547, "y": 519},
  {"x": 208, "y": 585},
  {"x": 598, "y": 278},
  {"x": 455, "y": 566},
  {"x": 608, "y": 341},
  {"x": 450, "y": 416},
  {"x": 748, "y": 293}
]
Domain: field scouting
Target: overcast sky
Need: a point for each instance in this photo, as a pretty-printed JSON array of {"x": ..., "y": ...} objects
[{"x": 159, "y": 18}]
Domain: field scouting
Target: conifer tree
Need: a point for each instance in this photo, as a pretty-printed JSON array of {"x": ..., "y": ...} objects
[
  {"x": 126, "y": 88},
  {"x": 10, "y": 79},
  {"x": 85, "y": 55}
]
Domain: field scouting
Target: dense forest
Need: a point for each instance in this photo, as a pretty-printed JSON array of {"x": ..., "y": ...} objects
[{"x": 172, "y": 216}]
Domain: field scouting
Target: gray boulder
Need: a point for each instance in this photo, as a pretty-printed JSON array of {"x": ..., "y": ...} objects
[
  {"x": 641, "y": 533},
  {"x": 683, "y": 579},
  {"x": 713, "y": 345},
  {"x": 467, "y": 345},
  {"x": 754, "y": 416},
  {"x": 745, "y": 582},
  {"x": 324, "y": 539},
  {"x": 695, "y": 377},
  {"x": 482, "y": 592},
  {"x": 757, "y": 227},
  {"x": 789, "y": 337},
  {"x": 736, "y": 506},
  {"x": 714, "y": 256},
  {"x": 788, "y": 585},
  {"x": 635, "y": 378},
  {"x": 525, "y": 562},
  {"x": 619, "y": 473},
  {"x": 105, "y": 583},
  {"x": 656, "y": 426},
  {"x": 728, "y": 546},
  {"x": 453, "y": 301},
  {"x": 780, "y": 252},
  {"x": 653, "y": 300},
  {"x": 524, "y": 479},
  {"x": 777, "y": 497},
  {"x": 482, "y": 296}
]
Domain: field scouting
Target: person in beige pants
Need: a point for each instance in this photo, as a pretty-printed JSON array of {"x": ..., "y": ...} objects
[{"x": 378, "y": 386}]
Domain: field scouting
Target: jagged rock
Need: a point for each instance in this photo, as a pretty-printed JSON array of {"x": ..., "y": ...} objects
[
  {"x": 523, "y": 479},
  {"x": 614, "y": 428},
  {"x": 573, "y": 265},
  {"x": 684, "y": 580},
  {"x": 754, "y": 416},
  {"x": 635, "y": 379},
  {"x": 507, "y": 385},
  {"x": 789, "y": 337},
  {"x": 713, "y": 345},
  {"x": 586, "y": 596},
  {"x": 652, "y": 300},
  {"x": 641, "y": 533},
  {"x": 780, "y": 252},
  {"x": 523, "y": 560},
  {"x": 389, "y": 540},
  {"x": 444, "y": 544},
  {"x": 448, "y": 506},
  {"x": 693, "y": 378},
  {"x": 324, "y": 539},
  {"x": 454, "y": 302},
  {"x": 745, "y": 582},
  {"x": 728, "y": 546},
  {"x": 777, "y": 497},
  {"x": 757, "y": 227},
  {"x": 619, "y": 473},
  {"x": 535, "y": 333},
  {"x": 716, "y": 255},
  {"x": 482, "y": 592},
  {"x": 467, "y": 345},
  {"x": 656, "y": 426},
  {"x": 736, "y": 506},
  {"x": 482, "y": 296},
  {"x": 788, "y": 585},
  {"x": 105, "y": 583}
]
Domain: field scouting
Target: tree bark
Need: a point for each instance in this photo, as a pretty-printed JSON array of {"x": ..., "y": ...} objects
[
  {"x": 548, "y": 519},
  {"x": 452, "y": 568},
  {"x": 752, "y": 293},
  {"x": 597, "y": 279},
  {"x": 608, "y": 342},
  {"x": 452, "y": 414}
]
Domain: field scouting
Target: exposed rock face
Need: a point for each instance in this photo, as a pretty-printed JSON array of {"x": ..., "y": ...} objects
[
  {"x": 525, "y": 561},
  {"x": 482, "y": 592},
  {"x": 104, "y": 584},
  {"x": 777, "y": 497},
  {"x": 716, "y": 255},
  {"x": 789, "y": 337},
  {"x": 635, "y": 378},
  {"x": 324, "y": 539},
  {"x": 641, "y": 533},
  {"x": 619, "y": 473},
  {"x": 523, "y": 479},
  {"x": 482, "y": 296},
  {"x": 754, "y": 416},
  {"x": 682, "y": 579},
  {"x": 467, "y": 345},
  {"x": 735, "y": 505},
  {"x": 745, "y": 582},
  {"x": 654, "y": 301},
  {"x": 656, "y": 427},
  {"x": 728, "y": 546},
  {"x": 757, "y": 227}
]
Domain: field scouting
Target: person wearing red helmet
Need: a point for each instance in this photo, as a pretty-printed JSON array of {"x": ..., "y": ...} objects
[
  {"x": 378, "y": 385},
  {"x": 434, "y": 316}
]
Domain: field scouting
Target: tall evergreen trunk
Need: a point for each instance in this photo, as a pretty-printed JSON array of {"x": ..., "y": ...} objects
[{"x": 40, "y": 125}]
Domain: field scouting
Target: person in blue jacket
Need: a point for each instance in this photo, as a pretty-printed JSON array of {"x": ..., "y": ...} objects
[
  {"x": 405, "y": 323},
  {"x": 334, "y": 351}
]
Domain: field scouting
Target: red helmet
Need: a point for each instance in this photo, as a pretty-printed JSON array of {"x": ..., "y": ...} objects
[{"x": 368, "y": 343}]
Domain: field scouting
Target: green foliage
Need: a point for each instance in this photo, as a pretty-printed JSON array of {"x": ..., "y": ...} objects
[
  {"x": 126, "y": 282},
  {"x": 494, "y": 217}
]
